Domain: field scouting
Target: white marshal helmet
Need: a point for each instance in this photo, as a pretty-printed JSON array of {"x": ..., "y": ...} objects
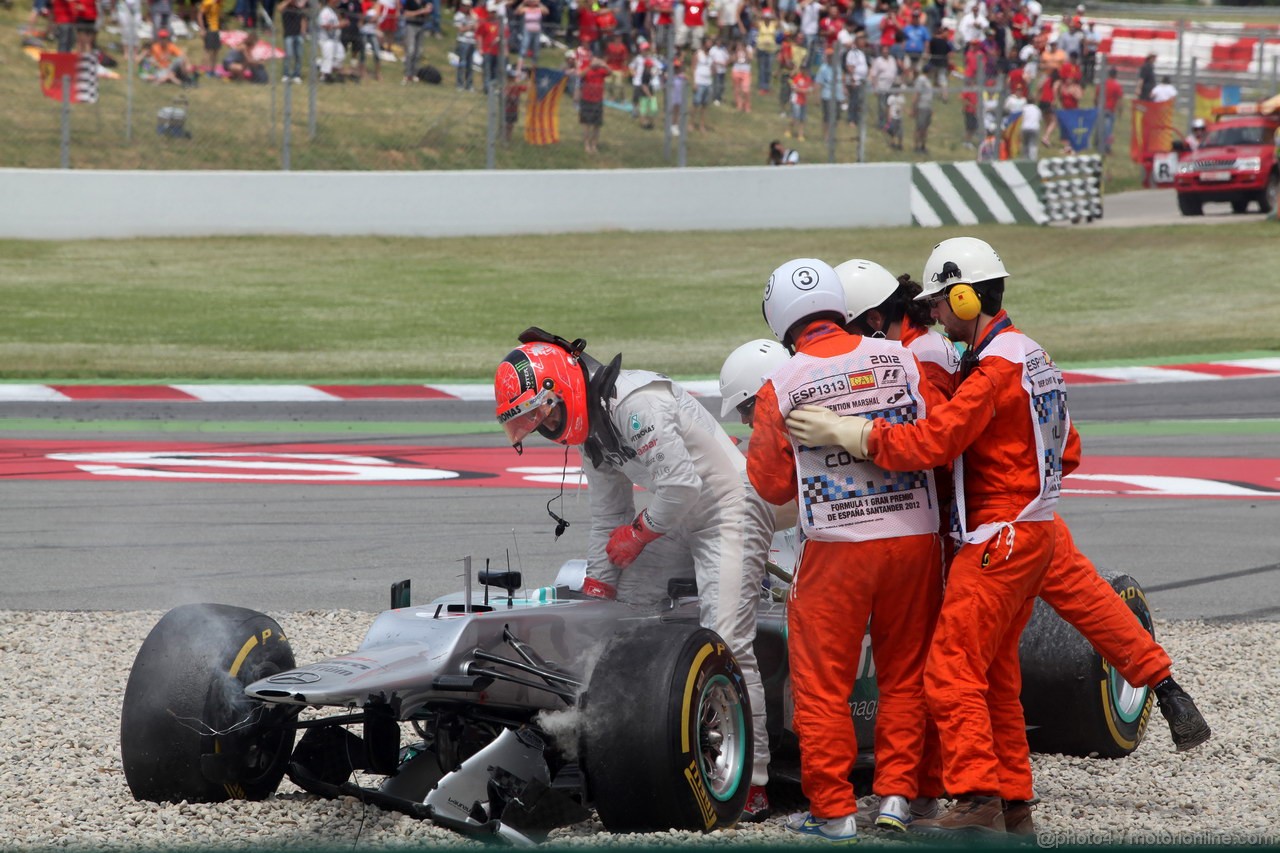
[
  {"x": 866, "y": 285},
  {"x": 960, "y": 260},
  {"x": 801, "y": 288},
  {"x": 746, "y": 369}
]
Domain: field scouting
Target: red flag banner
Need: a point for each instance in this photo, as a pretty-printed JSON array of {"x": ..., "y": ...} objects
[
  {"x": 542, "y": 124},
  {"x": 1153, "y": 130},
  {"x": 55, "y": 66}
]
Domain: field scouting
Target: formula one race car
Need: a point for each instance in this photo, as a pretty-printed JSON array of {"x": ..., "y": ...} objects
[{"x": 524, "y": 711}]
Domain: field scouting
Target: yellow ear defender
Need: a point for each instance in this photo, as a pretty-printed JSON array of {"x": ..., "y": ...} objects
[{"x": 965, "y": 303}]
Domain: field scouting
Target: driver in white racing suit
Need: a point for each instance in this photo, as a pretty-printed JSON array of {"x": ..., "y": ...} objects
[{"x": 638, "y": 428}]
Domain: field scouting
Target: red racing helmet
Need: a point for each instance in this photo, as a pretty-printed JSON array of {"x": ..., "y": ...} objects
[{"x": 540, "y": 386}]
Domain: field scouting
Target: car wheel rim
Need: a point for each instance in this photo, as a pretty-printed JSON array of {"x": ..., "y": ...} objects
[
  {"x": 1128, "y": 700},
  {"x": 722, "y": 737}
]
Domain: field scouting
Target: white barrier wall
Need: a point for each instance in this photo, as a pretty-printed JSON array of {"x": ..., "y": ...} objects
[{"x": 68, "y": 204}]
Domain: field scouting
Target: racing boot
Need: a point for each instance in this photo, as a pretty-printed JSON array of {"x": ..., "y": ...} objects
[
  {"x": 969, "y": 815},
  {"x": 756, "y": 808},
  {"x": 1017, "y": 818},
  {"x": 1186, "y": 725}
]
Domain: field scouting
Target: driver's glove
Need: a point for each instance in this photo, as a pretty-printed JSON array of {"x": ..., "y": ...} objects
[
  {"x": 599, "y": 589},
  {"x": 816, "y": 426},
  {"x": 627, "y": 541}
]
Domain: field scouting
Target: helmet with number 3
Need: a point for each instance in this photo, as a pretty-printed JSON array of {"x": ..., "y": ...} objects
[
  {"x": 801, "y": 288},
  {"x": 540, "y": 386}
]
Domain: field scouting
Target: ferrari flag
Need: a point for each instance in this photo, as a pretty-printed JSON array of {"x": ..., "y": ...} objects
[
  {"x": 542, "y": 125},
  {"x": 81, "y": 68}
]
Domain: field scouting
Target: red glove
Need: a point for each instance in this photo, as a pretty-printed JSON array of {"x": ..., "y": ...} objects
[
  {"x": 627, "y": 541},
  {"x": 599, "y": 589}
]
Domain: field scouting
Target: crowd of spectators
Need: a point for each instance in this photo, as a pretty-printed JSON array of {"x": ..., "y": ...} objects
[{"x": 886, "y": 63}]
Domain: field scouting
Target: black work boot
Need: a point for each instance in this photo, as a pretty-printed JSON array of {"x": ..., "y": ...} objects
[{"x": 1186, "y": 724}]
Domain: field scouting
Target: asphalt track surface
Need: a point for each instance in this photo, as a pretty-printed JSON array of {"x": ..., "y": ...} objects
[
  {"x": 1160, "y": 207},
  {"x": 139, "y": 544}
]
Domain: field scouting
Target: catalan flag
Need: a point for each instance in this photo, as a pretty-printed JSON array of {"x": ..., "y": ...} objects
[
  {"x": 1011, "y": 137},
  {"x": 1153, "y": 130},
  {"x": 542, "y": 124}
]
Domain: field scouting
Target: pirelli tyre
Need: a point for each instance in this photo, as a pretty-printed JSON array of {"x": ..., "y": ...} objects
[
  {"x": 187, "y": 731},
  {"x": 665, "y": 740},
  {"x": 1074, "y": 701}
]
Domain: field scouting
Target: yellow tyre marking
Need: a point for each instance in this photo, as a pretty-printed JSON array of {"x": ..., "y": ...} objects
[
  {"x": 688, "y": 695},
  {"x": 248, "y": 646}
]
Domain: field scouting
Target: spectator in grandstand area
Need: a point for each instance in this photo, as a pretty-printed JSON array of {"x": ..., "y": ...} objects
[
  {"x": 801, "y": 86},
  {"x": 1147, "y": 77},
  {"x": 1069, "y": 89},
  {"x": 741, "y": 70},
  {"x": 489, "y": 42},
  {"x": 1031, "y": 121},
  {"x": 939, "y": 67},
  {"x": 1047, "y": 98},
  {"x": 921, "y": 108},
  {"x": 86, "y": 24},
  {"x": 719, "y": 69},
  {"x": 916, "y": 39},
  {"x": 371, "y": 41},
  {"x": 1072, "y": 41},
  {"x": 679, "y": 83},
  {"x": 1164, "y": 91},
  {"x": 779, "y": 156},
  {"x": 786, "y": 67},
  {"x": 464, "y": 28},
  {"x": 637, "y": 65},
  {"x": 1112, "y": 96},
  {"x": 165, "y": 62},
  {"x": 129, "y": 20},
  {"x": 518, "y": 82},
  {"x": 351, "y": 14},
  {"x": 1053, "y": 58},
  {"x": 989, "y": 149},
  {"x": 1089, "y": 58},
  {"x": 330, "y": 38},
  {"x": 856, "y": 68},
  {"x": 883, "y": 74},
  {"x": 702, "y": 79},
  {"x": 413, "y": 15},
  {"x": 768, "y": 33},
  {"x": 530, "y": 13},
  {"x": 293, "y": 21},
  {"x": 616, "y": 57},
  {"x": 895, "y": 106},
  {"x": 210, "y": 17},
  {"x": 389, "y": 22},
  {"x": 662, "y": 23},
  {"x": 830, "y": 85},
  {"x": 161, "y": 14},
  {"x": 649, "y": 85},
  {"x": 810, "y": 14},
  {"x": 241, "y": 65},
  {"x": 591, "y": 81},
  {"x": 692, "y": 27}
]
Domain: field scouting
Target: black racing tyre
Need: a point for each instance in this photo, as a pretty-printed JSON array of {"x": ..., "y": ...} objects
[
  {"x": 1190, "y": 206},
  {"x": 666, "y": 733},
  {"x": 187, "y": 731},
  {"x": 1271, "y": 194},
  {"x": 1074, "y": 701}
]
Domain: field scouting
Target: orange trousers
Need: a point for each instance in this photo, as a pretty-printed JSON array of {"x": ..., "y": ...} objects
[
  {"x": 1079, "y": 594},
  {"x": 896, "y": 584},
  {"x": 972, "y": 676}
]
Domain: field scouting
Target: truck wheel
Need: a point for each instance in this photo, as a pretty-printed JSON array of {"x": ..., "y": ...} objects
[
  {"x": 666, "y": 732},
  {"x": 1240, "y": 205},
  {"x": 187, "y": 731},
  {"x": 1269, "y": 195},
  {"x": 1189, "y": 206},
  {"x": 1075, "y": 702}
]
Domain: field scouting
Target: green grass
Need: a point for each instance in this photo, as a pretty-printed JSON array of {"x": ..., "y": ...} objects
[
  {"x": 413, "y": 309},
  {"x": 384, "y": 126}
]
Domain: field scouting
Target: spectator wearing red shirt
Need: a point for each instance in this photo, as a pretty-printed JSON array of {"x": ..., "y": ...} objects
[
  {"x": 801, "y": 86},
  {"x": 616, "y": 56},
  {"x": 487, "y": 39},
  {"x": 588, "y": 28},
  {"x": 830, "y": 26},
  {"x": 86, "y": 24},
  {"x": 693, "y": 24},
  {"x": 1048, "y": 97},
  {"x": 591, "y": 103},
  {"x": 1112, "y": 106},
  {"x": 64, "y": 25},
  {"x": 661, "y": 13}
]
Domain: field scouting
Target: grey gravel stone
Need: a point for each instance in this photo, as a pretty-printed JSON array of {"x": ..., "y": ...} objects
[{"x": 62, "y": 679}]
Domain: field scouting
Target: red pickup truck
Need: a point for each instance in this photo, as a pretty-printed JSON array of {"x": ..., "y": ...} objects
[{"x": 1236, "y": 162}]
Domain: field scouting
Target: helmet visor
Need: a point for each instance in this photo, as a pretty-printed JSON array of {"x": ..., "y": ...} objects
[{"x": 523, "y": 418}]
